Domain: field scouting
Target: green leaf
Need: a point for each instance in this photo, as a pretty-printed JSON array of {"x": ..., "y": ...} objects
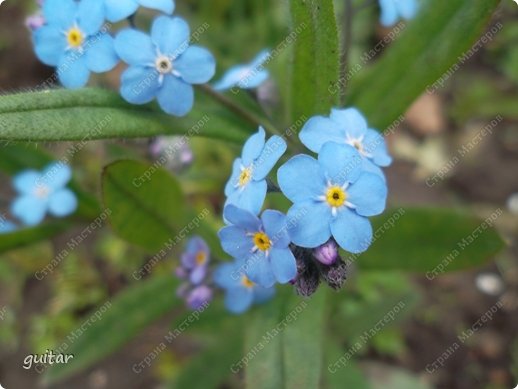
[
  {"x": 284, "y": 343},
  {"x": 430, "y": 240},
  {"x": 115, "y": 323},
  {"x": 146, "y": 203},
  {"x": 431, "y": 44},
  {"x": 338, "y": 376},
  {"x": 23, "y": 237},
  {"x": 315, "y": 57},
  {"x": 89, "y": 114}
]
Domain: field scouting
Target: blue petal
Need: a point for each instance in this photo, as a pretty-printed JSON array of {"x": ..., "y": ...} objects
[
  {"x": 283, "y": 265},
  {"x": 319, "y": 130},
  {"x": 171, "y": 35},
  {"x": 91, "y": 16},
  {"x": 309, "y": 224},
  {"x": 374, "y": 144},
  {"x": 370, "y": 167},
  {"x": 139, "y": 85},
  {"x": 230, "y": 79},
  {"x": 300, "y": 179},
  {"x": 235, "y": 242},
  {"x": 198, "y": 274},
  {"x": 273, "y": 150},
  {"x": 135, "y": 48},
  {"x": 261, "y": 295},
  {"x": 408, "y": 8},
  {"x": 175, "y": 96},
  {"x": 242, "y": 218},
  {"x": 25, "y": 182},
  {"x": 60, "y": 13},
  {"x": 56, "y": 175},
  {"x": 351, "y": 121},
  {"x": 259, "y": 270},
  {"x": 341, "y": 163},
  {"x": 166, "y": 6},
  {"x": 260, "y": 59},
  {"x": 352, "y": 232},
  {"x": 251, "y": 197},
  {"x": 253, "y": 147},
  {"x": 389, "y": 13},
  {"x": 254, "y": 79},
  {"x": 62, "y": 203},
  {"x": 72, "y": 70},
  {"x": 116, "y": 10},
  {"x": 101, "y": 55},
  {"x": 238, "y": 300},
  {"x": 226, "y": 276},
  {"x": 230, "y": 186},
  {"x": 276, "y": 227},
  {"x": 195, "y": 245},
  {"x": 368, "y": 194},
  {"x": 196, "y": 65},
  {"x": 29, "y": 209},
  {"x": 49, "y": 44}
]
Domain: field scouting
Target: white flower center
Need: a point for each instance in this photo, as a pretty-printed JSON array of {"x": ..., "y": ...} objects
[
  {"x": 336, "y": 197},
  {"x": 163, "y": 64},
  {"x": 42, "y": 191}
]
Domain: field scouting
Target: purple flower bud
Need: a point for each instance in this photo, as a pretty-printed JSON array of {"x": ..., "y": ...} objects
[
  {"x": 181, "y": 272},
  {"x": 335, "y": 275},
  {"x": 199, "y": 296},
  {"x": 33, "y": 22},
  {"x": 327, "y": 253}
]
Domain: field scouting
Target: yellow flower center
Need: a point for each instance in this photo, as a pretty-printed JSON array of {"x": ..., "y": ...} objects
[
  {"x": 245, "y": 281},
  {"x": 336, "y": 196},
  {"x": 201, "y": 258},
  {"x": 245, "y": 176},
  {"x": 164, "y": 65},
  {"x": 262, "y": 241},
  {"x": 75, "y": 37}
]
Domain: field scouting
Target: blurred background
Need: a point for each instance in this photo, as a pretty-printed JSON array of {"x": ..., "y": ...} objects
[{"x": 37, "y": 315}]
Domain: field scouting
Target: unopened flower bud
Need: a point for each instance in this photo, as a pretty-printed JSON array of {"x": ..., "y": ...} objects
[{"x": 327, "y": 253}]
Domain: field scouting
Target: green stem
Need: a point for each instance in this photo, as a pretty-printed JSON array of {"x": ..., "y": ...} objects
[{"x": 346, "y": 44}]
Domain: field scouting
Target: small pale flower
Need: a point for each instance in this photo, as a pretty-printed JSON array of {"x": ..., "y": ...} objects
[
  {"x": 248, "y": 76},
  {"x": 195, "y": 261},
  {"x": 116, "y": 10}
]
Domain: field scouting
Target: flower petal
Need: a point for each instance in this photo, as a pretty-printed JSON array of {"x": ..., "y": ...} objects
[
  {"x": 196, "y": 65},
  {"x": 49, "y": 44},
  {"x": 242, "y": 218},
  {"x": 319, "y": 130},
  {"x": 227, "y": 276},
  {"x": 253, "y": 147},
  {"x": 231, "y": 78},
  {"x": 135, "y": 48},
  {"x": 284, "y": 266},
  {"x": 230, "y": 186},
  {"x": 352, "y": 232},
  {"x": 407, "y": 8},
  {"x": 235, "y": 242},
  {"x": 139, "y": 85},
  {"x": 309, "y": 224},
  {"x": 116, "y": 10},
  {"x": 341, "y": 163},
  {"x": 26, "y": 181},
  {"x": 368, "y": 194},
  {"x": 56, "y": 175},
  {"x": 251, "y": 198},
  {"x": 350, "y": 120},
  {"x": 273, "y": 150},
  {"x": 62, "y": 203},
  {"x": 60, "y": 13},
  {"x": 175, "y": 96},
  {"x": 259, "y": 270},
  {"x": 29, "y": 209},
  {"x": 72, "y": 70},
  {"x": 261, "y": 295},
  {"x": 389, "y": 13},
  {"x": 171, "y": 35},
  {"x": 166, "y": 6},
  {"x": 300, "y": 179},
  {"x": 91, "y": 16},
  {"x": 198, "y": 274},
  {"x": 374, "y": 144},
  {"x": 100, "y": 55},
  {"x": 238, "y": 300},
  {"x": 276, "y": 227}
]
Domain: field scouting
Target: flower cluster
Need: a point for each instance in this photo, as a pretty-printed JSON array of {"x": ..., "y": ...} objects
[
  {"x": 333, "y": 196},
  {"x": 40, "y": 193}
]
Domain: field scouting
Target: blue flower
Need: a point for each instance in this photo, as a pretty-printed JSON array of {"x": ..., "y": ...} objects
[
  {"x": 248, "y": 76},
  {"x": 73, "y": 40},
  {"x": 241, "y": 293},
  {"x": 393, "y": 10},
  {"x": 195, "y": 260},
  {"x": 116, "y": 10},
  {"x": 332, "y": 197},
  {"x": 247, "y": 185},
  {"x": 347, "y": 126},
  {"x": 262, "y": 243},
  {"x": 42, "y": 192},
  {"x": 163, "y": 65}
]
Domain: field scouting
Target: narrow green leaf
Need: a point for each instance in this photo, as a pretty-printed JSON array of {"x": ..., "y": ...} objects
[
  {"x": 146, "y": 203},
  {"x": 26, "y": 236},
  {"x": 315, "y": 57},
  {"x": 430, "y": 240},
  {"x": 432, "y": 44},
  {"x": 113, "y": 324},
  {"x": 89, "y": 114}
]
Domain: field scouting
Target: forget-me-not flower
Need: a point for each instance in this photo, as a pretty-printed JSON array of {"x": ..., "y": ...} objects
[
  {"x": 241, "y": 292},
  {"x": 248, "y": 76},
  {"x": 195, "y": 261},
  {"x": 332, "y": 196},
  {"x": 42, "y": 192},
  {"x": 163, "y": 65},
  {"x": 394, "y": 10},
  {"x": 116, "y": 10},
  {"x": 247, "y": 185},
  {"x": 73, "y": 40},
  {"x": 347, "y": 126},
  {"x": 263, "y": 243}
]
